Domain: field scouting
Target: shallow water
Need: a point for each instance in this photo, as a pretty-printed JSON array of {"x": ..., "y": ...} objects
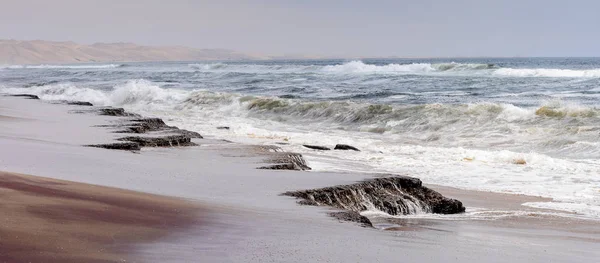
[{"x": 528, "y": 126}]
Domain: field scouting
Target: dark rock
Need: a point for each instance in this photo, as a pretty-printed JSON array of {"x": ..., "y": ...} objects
[
  {"x": 222, "y": 128},
  {"x": 345, "y": 147},
  {"x": 190, "y": 134},
  {"x": 128, "y": 146},
  {"x": 166, "y": 141},
  {"x": 287, "y": 161},
  {"x": 397, "y": 195},
  {"x": 27, "y": 96},
  {"x": 79, "y": 103},
  {"x": 352, "y": 216},
  {"x": 316, "y": 147},
  {"x": 283, "y": 166},
  {"x": 145, "y": 125},
  {"x": 118, "y": 112}
]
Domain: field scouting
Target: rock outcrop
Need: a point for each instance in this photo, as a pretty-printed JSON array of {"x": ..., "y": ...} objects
[
  {"x": 126, "y": 146},
  {"x": 345, "y": 147},
  {"x": 165, "y": 141},
  {"x": 116, "y": 112},
  {"x": 79, "y": 103},
  {"x": 396, "y": 195},
  {"x": 317, "y": 147},
  {"x": 286, "y": 161},
  {"x": 27, "y": 96},
  {"x": 145, "y": 125}
]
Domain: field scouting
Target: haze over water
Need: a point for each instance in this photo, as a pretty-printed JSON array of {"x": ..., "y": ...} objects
[{"x": 528, "y": 125}]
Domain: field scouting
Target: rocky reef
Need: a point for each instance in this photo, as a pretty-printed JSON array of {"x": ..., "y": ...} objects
[{"x": 394, "y": 195}]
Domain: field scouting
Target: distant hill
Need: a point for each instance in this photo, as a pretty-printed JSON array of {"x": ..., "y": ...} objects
[{"x": 40, "y": 51}]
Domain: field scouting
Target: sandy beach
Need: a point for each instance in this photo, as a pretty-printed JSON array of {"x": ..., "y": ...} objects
[
  {"x": 249, "y": 220},
  {"x": 48, "y": 220}
]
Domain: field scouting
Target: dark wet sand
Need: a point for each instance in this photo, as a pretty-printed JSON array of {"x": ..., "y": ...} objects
[{"x": 48, "y": 220}]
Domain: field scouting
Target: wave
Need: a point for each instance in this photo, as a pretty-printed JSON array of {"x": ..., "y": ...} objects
[
  {"x": 360, "y": 67},
  {"x": 550, "y": 73},
  {"x": 91, "y": 66},
  {"x": 133, "y": 92},
  {"x": 142, "y": 92},
  {"x": 349, "y": 67}
]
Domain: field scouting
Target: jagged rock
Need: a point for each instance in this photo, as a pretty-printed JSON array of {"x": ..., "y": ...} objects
[
  {"x": 397, "y": 195},
  {"x": 345, "y": 147},
  {"x": 283, "y": 166},
  {"x": 79, "y": 103},
  {"x": 166, "y": 141},
  {"x": 223, "y": 128},
  {"x": 27, "y": 96},
  {"x": 118, "y": 112},
  {"x": 190, "y": 134},
  {"x": 286, "y": 161},
  {"x": 352, "y": 216},
  {"x": 145, "y": 125},
  {"x": 316, "y": 147},
  {"x": 128, "y": 146}
]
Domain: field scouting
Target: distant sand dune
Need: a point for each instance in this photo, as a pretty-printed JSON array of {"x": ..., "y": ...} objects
[{"x": 39, "y": 51}]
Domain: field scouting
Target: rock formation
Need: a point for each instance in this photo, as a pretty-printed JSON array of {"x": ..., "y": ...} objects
[
  {"x": 345, "y": 147},
  {"x": 395, "y": 195},
  {"x": 317, "y": 147}
]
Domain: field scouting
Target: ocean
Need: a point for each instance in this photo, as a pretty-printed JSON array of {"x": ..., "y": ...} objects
[{"x": 511, "y": 125}]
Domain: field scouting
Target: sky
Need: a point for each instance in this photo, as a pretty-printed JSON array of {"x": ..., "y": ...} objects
[{"x": 376, "y": 28}]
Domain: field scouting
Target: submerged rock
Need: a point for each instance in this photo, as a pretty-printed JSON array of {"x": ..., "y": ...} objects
[
  {"x": 345, "y": 147},
  {"x": 317, "y": 147},
  {"x": 27, "y": 96},
  {"x": 223, "y": 128},
  {"x": 397, "y": 195}
]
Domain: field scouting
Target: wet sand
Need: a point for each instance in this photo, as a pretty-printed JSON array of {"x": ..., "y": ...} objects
[{"x": 48, "y": 220}]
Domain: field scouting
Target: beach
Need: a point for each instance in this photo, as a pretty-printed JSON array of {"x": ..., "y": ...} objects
[{"x": 240, "y": 214}]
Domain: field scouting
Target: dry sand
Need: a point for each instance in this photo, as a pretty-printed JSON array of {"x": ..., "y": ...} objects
[{"x": 48, "y": 220}]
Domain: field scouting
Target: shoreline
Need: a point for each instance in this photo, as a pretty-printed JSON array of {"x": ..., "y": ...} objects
[{"x": 251, "y": 221}]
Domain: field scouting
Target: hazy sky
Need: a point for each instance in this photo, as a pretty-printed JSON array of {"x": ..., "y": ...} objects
[{"x": 341, "y": 28}]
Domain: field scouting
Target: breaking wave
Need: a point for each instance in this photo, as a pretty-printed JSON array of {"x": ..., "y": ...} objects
[
  {"x": 550, "y": 73},
  {"x": 359, "y": 67},
  {"x": 386, "y": 116}
]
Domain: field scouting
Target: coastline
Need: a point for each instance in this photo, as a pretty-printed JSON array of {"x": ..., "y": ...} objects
[{"x": 252, "y": 222}]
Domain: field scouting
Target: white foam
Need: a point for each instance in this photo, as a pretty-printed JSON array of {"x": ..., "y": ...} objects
[
  {"x": 587, "y": 210},
  {"x": 545, "y": 72}
]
